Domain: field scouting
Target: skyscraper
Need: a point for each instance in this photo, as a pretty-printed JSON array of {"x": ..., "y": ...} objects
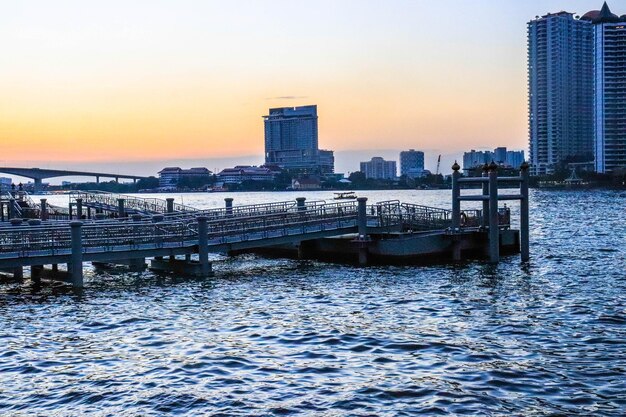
[
  {"x": 412, "y": 163},
  {"x": 610, "y": 89},
  {"x": 291, "y": 140},
  {"x": 560, "y": 87}
]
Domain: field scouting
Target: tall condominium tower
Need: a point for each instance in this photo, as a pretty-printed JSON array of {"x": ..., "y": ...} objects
[
  {"x": 291, "y": 140},
  {"x": 610, "y": 89},
  {"x": 560, "y": 87}
]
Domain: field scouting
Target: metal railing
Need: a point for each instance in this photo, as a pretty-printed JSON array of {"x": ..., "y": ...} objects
[
  {"x": 109, "y": 201},
  {"x": 53, "y": 239}
]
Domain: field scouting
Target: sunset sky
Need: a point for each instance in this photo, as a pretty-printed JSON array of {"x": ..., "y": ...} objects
[{"x": 124, "y": 81}]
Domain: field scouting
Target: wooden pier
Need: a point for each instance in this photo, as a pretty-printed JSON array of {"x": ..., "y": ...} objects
[{"x": 103, "y": 228}]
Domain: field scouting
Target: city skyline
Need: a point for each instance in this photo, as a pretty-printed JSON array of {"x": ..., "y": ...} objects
[{"x": 85, "y": 83}]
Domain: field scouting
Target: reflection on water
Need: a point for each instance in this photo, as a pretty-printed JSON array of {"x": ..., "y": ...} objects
[{"x": 279, "y": 337}]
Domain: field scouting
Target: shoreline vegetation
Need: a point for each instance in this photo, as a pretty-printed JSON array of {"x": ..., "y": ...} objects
[{"x": 356, "y": 181}]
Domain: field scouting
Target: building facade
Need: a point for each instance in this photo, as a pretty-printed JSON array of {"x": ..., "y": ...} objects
[
  {"x": 610, "y": 89},
  {"x": 501, "y": 156},
  {"x": 560, "y": 91},
  {"x": 242, "y": 173},
  {"x": 379, "y": 169},
  {"x": 170, "y": 176},
  {"x": 291, "y": 140},
  {"x": 412, "y": 163}
]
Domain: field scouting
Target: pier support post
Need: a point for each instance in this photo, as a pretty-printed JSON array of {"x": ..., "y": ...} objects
[
  {"x": 79, "y": 208},
  {"x": 362, "y": 217},
  {"x": 11, "y": 208},
  {"x": 524, "y": 214},
  {"x": 77, "y": 254},
  {"x": 485, "y": 219},
  {"x": 456, "y": 194},
  {"x": 494, "y": 229},
  {"x": 170, "y": 205},
  {"x": 229, "y": 206},
  {"x": 301, "y": 203},
  {"x": 203, "y": 246},
  {"x": 43, "y": 211},
  {"x": 362, "y": 230},
  {"x": 121, "y": 210}
]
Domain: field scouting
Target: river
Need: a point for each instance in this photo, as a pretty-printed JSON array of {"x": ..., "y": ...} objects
[{"x": 286, "y": 337}]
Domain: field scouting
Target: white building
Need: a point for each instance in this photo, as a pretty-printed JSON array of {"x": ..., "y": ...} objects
[
  {"x": 170, "y": 176},
  {"x": 242, "y": 173},
  {"x": 379, "y": 169}
]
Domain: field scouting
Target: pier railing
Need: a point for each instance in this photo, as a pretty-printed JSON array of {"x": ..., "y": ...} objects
[
  {"x": 110, "y": 202},
  {"x": 107, "y": 236}
]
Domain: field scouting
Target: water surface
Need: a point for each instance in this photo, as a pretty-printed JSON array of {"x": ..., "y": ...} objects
[{"x": 285, "y": 337}]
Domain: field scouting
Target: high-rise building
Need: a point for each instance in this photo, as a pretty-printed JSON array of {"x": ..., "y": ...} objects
[
  {"x": 501, "y": 156},
  {"x": 291, "y": 140},
  {"x": 560, "y": 87},
  {"x": 412, "y": 163},
  {"x": 610, "y": 89},
  {"x": 379, "y": 169}
]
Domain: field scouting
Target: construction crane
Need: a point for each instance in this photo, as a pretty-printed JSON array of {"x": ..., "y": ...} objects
[{"x": 438, "y": 165}]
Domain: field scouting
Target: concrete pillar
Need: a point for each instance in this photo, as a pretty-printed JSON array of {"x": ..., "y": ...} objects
[
  {"x": 485, "y": 219},
  {"x": 97, "y": 180},
  {"x": 170, "y": 205},
  {"x": 79, "y": 208},
  {"x": 77, "y": 254},
  {"x": 38, "y": 185},
  {"x": 203, "y": 246},
  {"x": 456, "y": 194},
  {"x": 121, "y": 211},
  {"x": 229, "y": 206},
  {"x": 43, "y": 215},
  {"x": 18, "y": 272},
  {"x": 36, "y": 271},
  {"x": 301, "y": 203},
  {"x": 524, "y": 214},
  {"x": 494, "y": 230},
  {"x": 362, "y": 217}
]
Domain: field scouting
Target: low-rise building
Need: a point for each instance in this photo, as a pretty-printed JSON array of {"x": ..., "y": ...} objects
[
  {"x": 5, "y": 183},
  {"x": 170, "y": 176},
  {"x": 242, "y": 173}
]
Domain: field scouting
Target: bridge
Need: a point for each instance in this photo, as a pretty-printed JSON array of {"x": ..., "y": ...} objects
[{"x": 39, "y": 174}]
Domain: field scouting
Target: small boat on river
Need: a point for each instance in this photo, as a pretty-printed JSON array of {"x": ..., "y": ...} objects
[{"x": 348, "y": 195}]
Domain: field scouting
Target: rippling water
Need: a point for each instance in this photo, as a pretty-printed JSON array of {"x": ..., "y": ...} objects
[{"x": 284, "y": 337}]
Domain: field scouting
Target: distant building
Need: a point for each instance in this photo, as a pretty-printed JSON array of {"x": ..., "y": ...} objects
[
  {"x": 291, "y": 141},
  {"x": 242, "y": 173},
  {"x": 501, "y": 156},
  {"x": 379, "y": 169},
  {"x": 170, "y": 176},
  {"x": 306, "y": 183},
  {"x": 610, "y": 89},
  {"x": 412, "y": 163},
  {"x": 5, "y": 183},
  {"x": 560, "y": 90}
]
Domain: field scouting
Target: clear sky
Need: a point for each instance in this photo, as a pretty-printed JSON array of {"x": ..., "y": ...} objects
[{"x": 140, "y": 80}]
